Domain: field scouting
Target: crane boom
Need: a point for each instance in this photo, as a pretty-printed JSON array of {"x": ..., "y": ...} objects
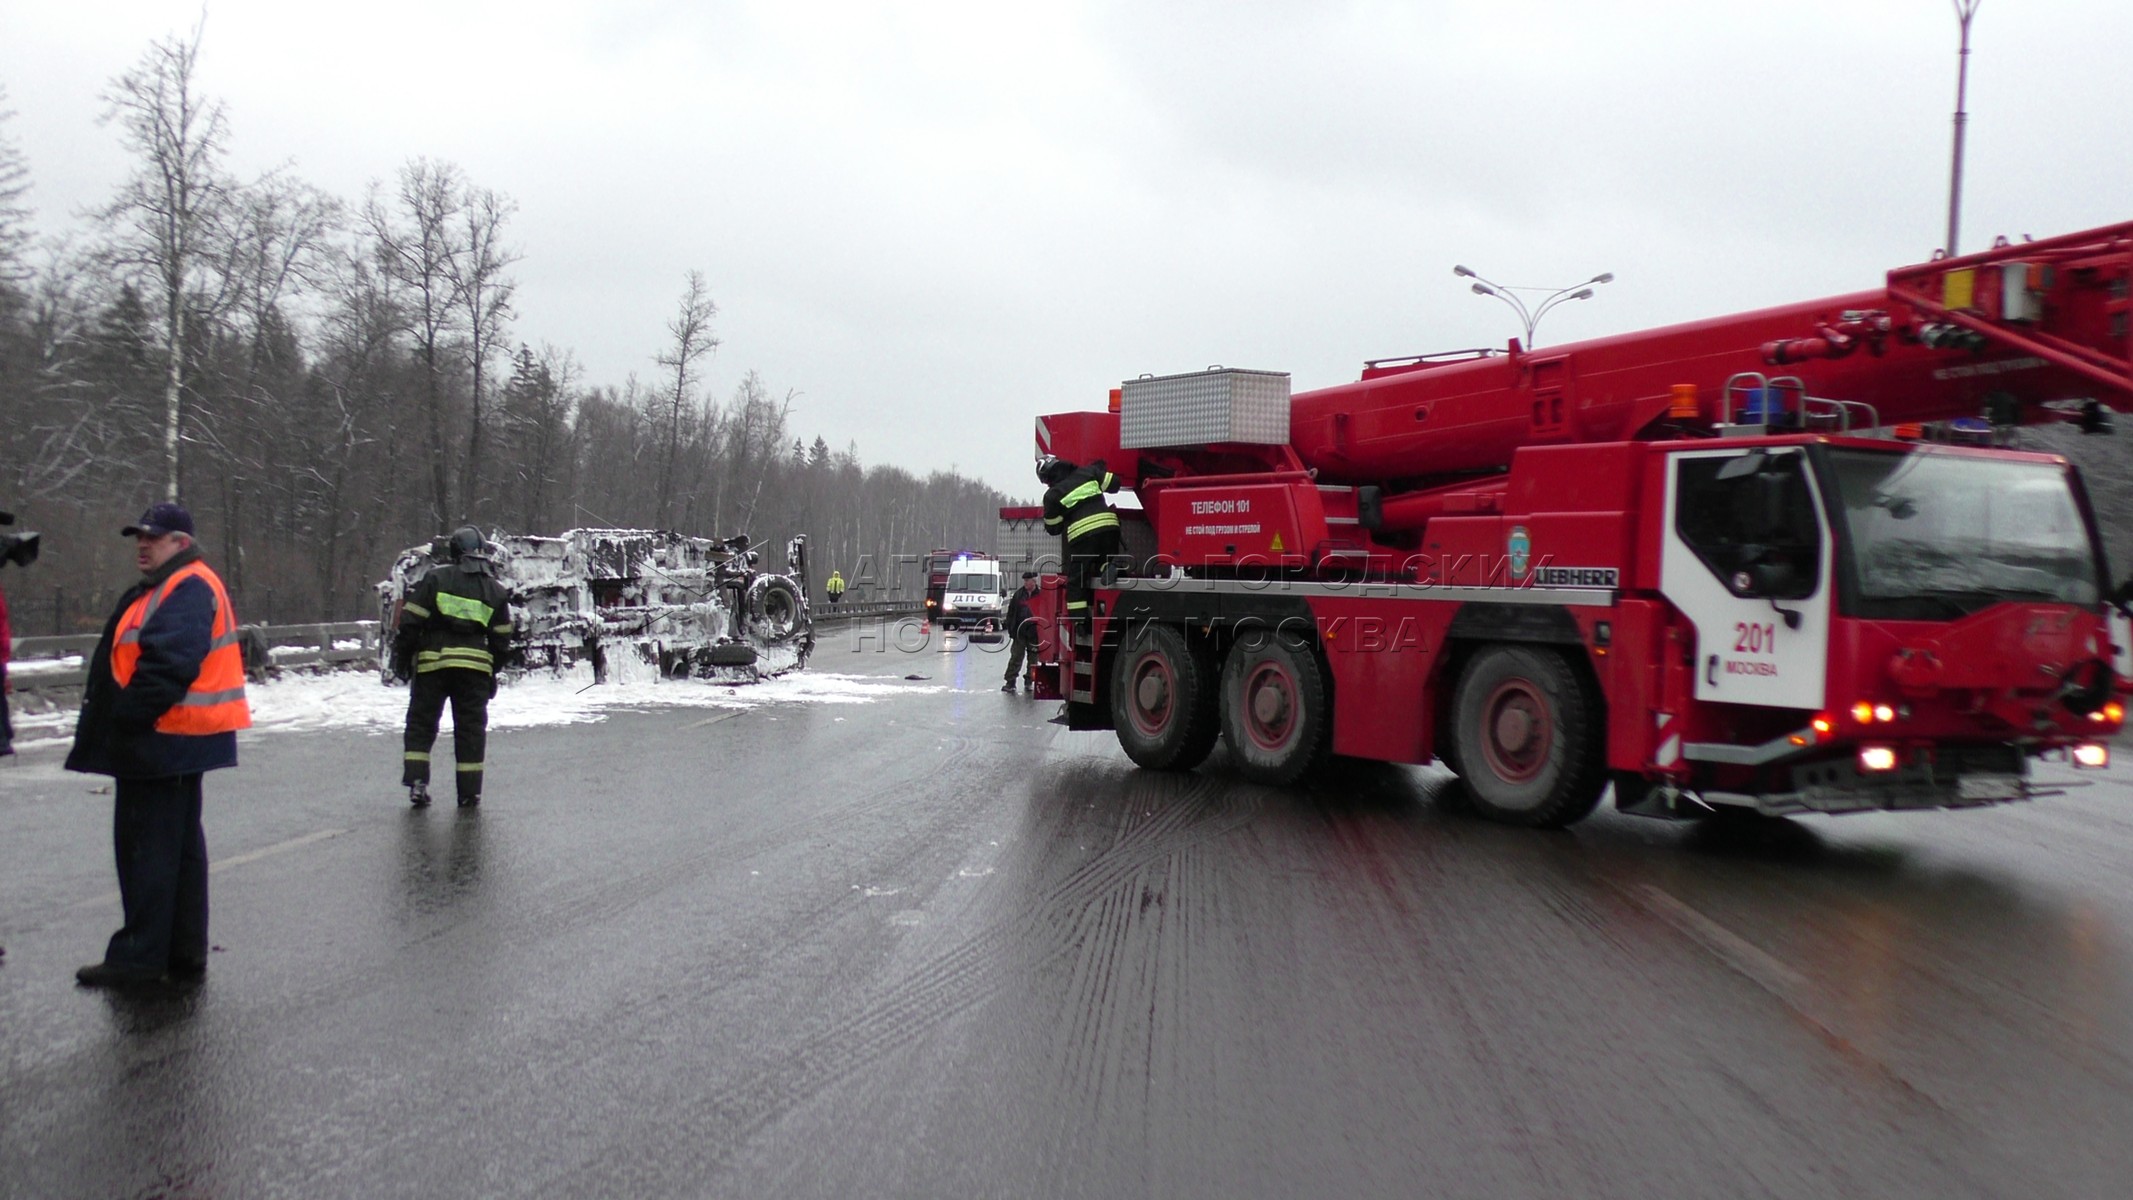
[{"x": 2008, "y": 331}]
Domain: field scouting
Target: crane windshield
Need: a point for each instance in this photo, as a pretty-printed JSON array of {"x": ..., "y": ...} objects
[{"x": 1935, "y": 536}]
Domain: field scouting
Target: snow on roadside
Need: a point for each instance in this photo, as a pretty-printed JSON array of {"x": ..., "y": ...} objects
[{"x": 356, "y": 700}]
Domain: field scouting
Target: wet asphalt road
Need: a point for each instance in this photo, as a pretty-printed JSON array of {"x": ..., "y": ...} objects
[{"x": 933, "y": 946}]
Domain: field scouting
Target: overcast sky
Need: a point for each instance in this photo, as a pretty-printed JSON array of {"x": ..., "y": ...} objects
[{"x": 935, "y": 221}]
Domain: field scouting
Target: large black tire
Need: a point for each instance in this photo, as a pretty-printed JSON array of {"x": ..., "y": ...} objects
[
  {"x": 1275, "y": 714},
  {"x": 774, "y": 609},
  {"x": 1163, "y": 700},
  {"x": 1528, "y": 733},
  {"x": 730, "y": 654}
]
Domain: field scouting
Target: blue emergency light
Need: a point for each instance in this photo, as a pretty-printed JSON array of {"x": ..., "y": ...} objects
[{"x": 1764, "y": 406}]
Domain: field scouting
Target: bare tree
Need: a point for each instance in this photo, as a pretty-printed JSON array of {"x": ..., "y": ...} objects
[
  {"x": 417, "y": 245},
  {"x": 166, "y": 212},
  {"x": 484, "y": 297},
  {"x": 251, "y": 383},
  {"x": 281, "y": 233},
  {"x": 14, "y": 211},
  {"x": 691, "y": 330}
]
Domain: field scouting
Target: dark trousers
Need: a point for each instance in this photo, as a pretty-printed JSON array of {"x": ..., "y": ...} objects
[
  {"x": 468, "y": 690},
  {"x": 1017, "y": 650},
  {"x": 1086, "y": 558},
  {"x": 162, "y": 872}
]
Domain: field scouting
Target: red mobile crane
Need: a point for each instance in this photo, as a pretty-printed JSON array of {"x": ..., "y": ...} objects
[{"x": 1780, "y": 560}]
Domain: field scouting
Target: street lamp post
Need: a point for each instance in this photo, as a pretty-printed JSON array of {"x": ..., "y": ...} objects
[
  {"x": 1964, "y": 10},
  {"x": 1530, "y": 315}
]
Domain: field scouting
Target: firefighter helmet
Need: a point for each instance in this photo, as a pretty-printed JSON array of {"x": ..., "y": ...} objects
[
  {"x": 466, "y": 542},
  {"x": 1051, "y": 468}
]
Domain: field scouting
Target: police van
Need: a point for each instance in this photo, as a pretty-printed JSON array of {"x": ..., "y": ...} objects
[{"x": 965, "y": 591}]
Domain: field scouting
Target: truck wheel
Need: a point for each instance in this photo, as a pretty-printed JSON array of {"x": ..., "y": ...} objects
[
  {"x": 773, "y": 607},
  {"x": 1274, "y": 710},
  {"x": 1526, "y": 732},
  {"x": 1163, "y": 701},
  {"x": 730, "y": 654}
]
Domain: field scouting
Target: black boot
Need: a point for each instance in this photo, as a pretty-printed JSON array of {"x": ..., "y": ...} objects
[
  {"x": 418, "y": 794},
  {"x": 117, "y": 975}
]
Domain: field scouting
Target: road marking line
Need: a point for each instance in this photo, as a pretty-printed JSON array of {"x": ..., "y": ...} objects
[
  {"x": 216, "y": 868},
  {"x": 712, "y": 720},
  {"x": 276, "y": 848},
  {"x": 1787, "y": 985},
  {"x": 1737, "y": 952}
]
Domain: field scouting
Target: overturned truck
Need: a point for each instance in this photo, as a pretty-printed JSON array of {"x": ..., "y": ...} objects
[{"x": 630, "y": 600}]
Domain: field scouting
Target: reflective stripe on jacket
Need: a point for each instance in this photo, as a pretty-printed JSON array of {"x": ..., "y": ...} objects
[
  {"x": 455, "y": 618},
  {"x": 215, "y": 701},
  {"x": 1090, "y": 524},
  {"x": 1075, "y": 505}
]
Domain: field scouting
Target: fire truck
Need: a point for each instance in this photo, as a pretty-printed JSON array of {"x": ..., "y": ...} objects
[{"x": 1783, "y": 561}]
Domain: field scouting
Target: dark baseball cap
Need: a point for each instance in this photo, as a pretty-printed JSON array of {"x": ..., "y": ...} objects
[
  {"x": 160, "y": 519},
  {"x": 1029, "y": 574}
]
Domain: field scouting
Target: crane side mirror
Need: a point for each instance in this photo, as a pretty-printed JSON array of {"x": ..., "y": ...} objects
[
  {"x": 1751, "y": 463},
  {"x": 1766, "y": 575}
]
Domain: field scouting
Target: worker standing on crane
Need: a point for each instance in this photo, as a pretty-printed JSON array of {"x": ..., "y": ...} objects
[{"x": 1075, "y": 509}]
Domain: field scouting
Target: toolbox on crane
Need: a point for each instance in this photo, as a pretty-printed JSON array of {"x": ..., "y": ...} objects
[{"x": 1220, "y": 404}]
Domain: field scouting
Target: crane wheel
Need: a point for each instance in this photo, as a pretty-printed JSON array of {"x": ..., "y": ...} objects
[
  {"x": 1163, "y": 700},
  {"x": 1528, "y": 736},
  {"x": 1275, "y": 713}
]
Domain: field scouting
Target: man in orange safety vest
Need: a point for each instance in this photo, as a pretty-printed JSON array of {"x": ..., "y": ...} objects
[{"x": 162, "y": 706}]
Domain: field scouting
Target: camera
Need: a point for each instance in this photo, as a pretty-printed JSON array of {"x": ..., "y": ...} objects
[{"x": 17, "y": 548}]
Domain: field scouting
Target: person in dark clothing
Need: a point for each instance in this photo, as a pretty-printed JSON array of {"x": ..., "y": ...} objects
[
  {"x": 1075, "y": 509},
  {"x": 455, "y": 631},
  {"x": 20, "y": 549},
  {"x": 7, "y": 725},
  {"x": 1021, "y": 635},
  {"x": 162, "y": 706}
]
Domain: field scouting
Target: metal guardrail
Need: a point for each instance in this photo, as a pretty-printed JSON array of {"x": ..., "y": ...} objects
[
  {"x": 344, "y": 642},
  {"x": 287, "y": 646},
  {"x": 851, "y": 610},
  {"x": 312, "y": 645}
]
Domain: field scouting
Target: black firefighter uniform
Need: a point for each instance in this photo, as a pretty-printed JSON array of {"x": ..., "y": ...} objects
[
  {"x": 457, "y": 622},
  {"x": 1075, "y": 508}
]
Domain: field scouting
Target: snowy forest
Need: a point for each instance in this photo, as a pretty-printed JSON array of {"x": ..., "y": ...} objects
[{"x": 326, "y": 380}]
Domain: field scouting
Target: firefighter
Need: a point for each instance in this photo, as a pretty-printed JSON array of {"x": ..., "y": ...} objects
[
  {"x": 835, "y": 588},
  {"x": 455, "y": 631},
  {"x": 1075, "y": 509}
]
